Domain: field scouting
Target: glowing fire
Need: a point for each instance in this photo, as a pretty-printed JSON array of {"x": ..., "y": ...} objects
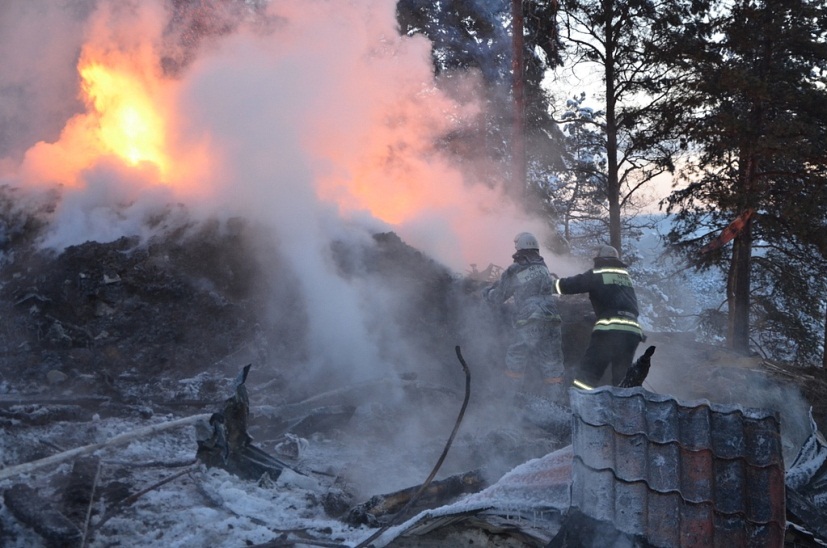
[
  {"x": 130, "y": 116},
  {"x": 128, "y": 124}
]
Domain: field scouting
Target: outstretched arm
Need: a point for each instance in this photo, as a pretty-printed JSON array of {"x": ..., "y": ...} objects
[{"x": 574, "y": 284}]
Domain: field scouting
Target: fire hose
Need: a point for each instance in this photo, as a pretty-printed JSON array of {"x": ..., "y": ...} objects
[{"x": 439, "y": 462}]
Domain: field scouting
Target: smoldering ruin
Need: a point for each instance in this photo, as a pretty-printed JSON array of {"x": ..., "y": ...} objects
[
  {"x": 175, "y": 328},
  {"x": 286, "y": 373},
  {"x": 137, "y": 330}
]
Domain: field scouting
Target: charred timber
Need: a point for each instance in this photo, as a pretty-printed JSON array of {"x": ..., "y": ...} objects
[
  {"x": 437, "y": 493},
  {"x": 639, "y": 370},
  {"x": 225, "y": 443}
]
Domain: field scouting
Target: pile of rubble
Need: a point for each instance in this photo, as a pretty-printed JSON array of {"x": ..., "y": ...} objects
[
  {"x": 156, "y": 332},
  {"x": 150, "y": 331}
]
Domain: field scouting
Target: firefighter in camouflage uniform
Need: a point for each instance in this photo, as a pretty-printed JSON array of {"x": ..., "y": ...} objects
[
  {"x": 616, "y": 332},
  {"x": 536, "y": 321}
]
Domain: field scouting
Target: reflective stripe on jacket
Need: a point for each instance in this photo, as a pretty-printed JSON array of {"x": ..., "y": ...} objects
[
  {"x": 611, "y": 293},
  {"x": 618, "y": 324}
]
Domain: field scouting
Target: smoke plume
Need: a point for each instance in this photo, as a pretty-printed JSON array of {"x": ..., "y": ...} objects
[{"x": 312, "y": 119}]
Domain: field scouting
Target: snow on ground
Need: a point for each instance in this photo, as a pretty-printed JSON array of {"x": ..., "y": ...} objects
[
  {"x": 202, "y": 508},
  {"x": 337, "y": 468}
]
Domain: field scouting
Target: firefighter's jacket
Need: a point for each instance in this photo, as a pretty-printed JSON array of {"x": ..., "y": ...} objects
[
  {"x": 531, "y": 285},
  {"x": 611, "y": 293}
]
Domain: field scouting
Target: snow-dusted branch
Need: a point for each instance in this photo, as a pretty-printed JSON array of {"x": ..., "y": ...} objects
[{"x": 59, "y": 458}]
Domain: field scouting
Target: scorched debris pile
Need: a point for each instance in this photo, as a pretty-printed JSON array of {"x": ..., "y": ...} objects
[
  {"x": 136, "y": 330},
  {"x": 132, "y": 330}
]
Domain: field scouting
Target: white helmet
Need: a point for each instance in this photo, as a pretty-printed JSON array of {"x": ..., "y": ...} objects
[
  {"x": 525, "y": 240},
  {"x": 606, "y": 251}
]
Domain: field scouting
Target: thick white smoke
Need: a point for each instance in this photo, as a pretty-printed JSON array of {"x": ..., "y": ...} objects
[{"x": 314, "y": 118}]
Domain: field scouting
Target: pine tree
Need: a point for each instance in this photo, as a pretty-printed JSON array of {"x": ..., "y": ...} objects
[
  {"x": 753, "y": 110},
  {"x": 623, "y": 39},
  {"x": 475, "y": 35},
  {"x": 576, "y": 196}
]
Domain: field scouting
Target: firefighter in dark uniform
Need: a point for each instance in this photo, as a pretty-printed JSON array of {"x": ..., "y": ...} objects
[
  {"x": 536, "y": 321},
  {"x": 616, "y": 332}
]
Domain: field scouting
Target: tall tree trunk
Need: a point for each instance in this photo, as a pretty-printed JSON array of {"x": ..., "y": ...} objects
[
  {"x": 518, "y": 150},
  {"x": 612, "y": 180},
  {"x": 738, "y": 291},
  {"x": 738, "y": 280}
]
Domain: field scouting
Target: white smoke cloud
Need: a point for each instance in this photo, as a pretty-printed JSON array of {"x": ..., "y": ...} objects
[
  {"x": 328, "y": 87},
  {"x": 314, "y": 118},
  {"x": 298, "y": 115}
]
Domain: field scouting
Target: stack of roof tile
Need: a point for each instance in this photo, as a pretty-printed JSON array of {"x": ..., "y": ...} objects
[{"x": 676, "y": 474}]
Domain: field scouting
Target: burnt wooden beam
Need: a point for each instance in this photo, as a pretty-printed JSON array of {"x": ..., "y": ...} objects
[{"x": 437, "y": 493}]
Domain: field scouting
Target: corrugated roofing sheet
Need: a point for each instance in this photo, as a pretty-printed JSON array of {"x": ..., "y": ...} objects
[{"x": 677, "y": 474}]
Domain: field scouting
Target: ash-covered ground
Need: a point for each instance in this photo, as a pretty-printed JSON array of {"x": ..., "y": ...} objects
[{"x": 104, "y": 338}]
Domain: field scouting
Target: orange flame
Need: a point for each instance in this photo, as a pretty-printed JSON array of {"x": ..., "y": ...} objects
[
  {"x": 130, "y": 115},
  {"x": 128, "y": 125}
]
